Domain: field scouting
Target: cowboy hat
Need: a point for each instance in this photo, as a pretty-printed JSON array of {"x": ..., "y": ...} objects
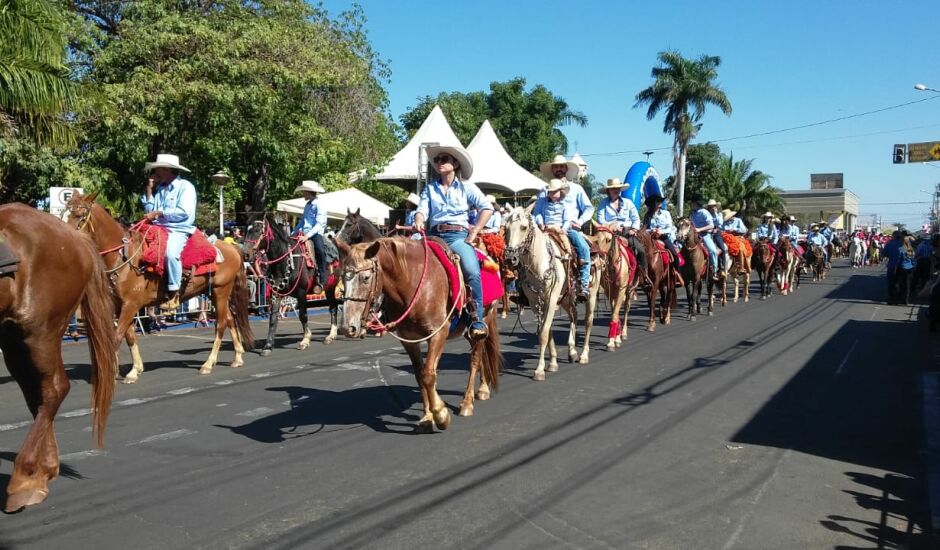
[
  {"x": 727, "y": 214},
  {"x": 767, "y": 215},
  {"x": 823, "y": 222},
  {"x": 557, "y": 185},
  {"x": 792, "y": 218},
  {"x": 457, "y": 152},
  {"x": 546, "y": 167},
  {"x": 492, "y": 200},
  {"x": 309, "y": 185},
  {"x": 812, "y": 225},
  {"x": 615, "y": 183},
  {"x": 166, "y": 161},
  {"x": 711, "y": 202},
  {"x": 413, "y": 199}
]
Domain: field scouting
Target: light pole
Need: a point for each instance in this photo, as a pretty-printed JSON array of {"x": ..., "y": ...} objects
[
  {"x": 925, "y": 88},
  {"x": 220, "y": 178}
]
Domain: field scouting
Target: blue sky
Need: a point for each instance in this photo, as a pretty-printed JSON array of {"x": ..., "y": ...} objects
[{"x": 784, "y": 64}]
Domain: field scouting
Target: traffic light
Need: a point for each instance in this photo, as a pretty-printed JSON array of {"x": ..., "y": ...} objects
[{"x": 900, "y": 153}]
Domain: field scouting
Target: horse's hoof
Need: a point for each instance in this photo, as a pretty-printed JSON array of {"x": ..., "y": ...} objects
[
  {"x": 303, "y": 345},
  {"x": 667, "y": 322},
  {"x": 237, "y": 364},
  {"x": 17, "y": 502},
  {"x": 483, "y": 395},
  {"x": 611, "y": 347},
  {"x": 692, "y": 318},
  {"x": 466, "y": 410},
  {"x": 129, "y": 380},
  {"x": 442, "y": 419},
  {"x": 763, "y": 297},
  {"x": 205, "y": 370},
  {"x": 746, "y": 300},
  {"x": 651, "y": 328},
  {"x": 734, "y": 301},
  {"x": 711, "y": 313},
  {"x": 572, "y": 357},
  {"x": 329, "y": 340},
  {"x": 552, "y": 367},
  {"x": 266, "y": 352},
  {"x": 425, "y": 427},
  {"x": 538, "y": 376},
  {"x": 502, "y": 315},
  {"x": 583, "y": 360}
]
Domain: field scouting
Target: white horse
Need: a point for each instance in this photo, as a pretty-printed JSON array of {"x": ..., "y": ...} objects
[
  {"x": 856, "y": 253},
  {"x": 543, "y": 278}
]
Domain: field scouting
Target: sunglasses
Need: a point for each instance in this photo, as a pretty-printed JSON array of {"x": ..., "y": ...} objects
[{"x": 441, "y": 159}]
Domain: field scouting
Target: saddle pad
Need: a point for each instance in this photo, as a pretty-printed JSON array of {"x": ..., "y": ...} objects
[
  {"x": 495, "y": 246},
  {"x": 664, "y": 252},
  {"x": 736, "y": 244},
  {"x": 492, "y": 284},
  {"x": 631, "y": 257},
  {"x": 198, "y": 253},
  {"x": 452, "y": 276}
]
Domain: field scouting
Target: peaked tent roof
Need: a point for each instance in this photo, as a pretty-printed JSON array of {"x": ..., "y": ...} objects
[
  {"x": 337, "y": 202},
  {"x": 494, "y": 168},
  {"x": 404, "y": 165}
]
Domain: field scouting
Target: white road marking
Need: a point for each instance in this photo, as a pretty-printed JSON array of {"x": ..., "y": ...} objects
[
  {"x": 846, "y": 359},
  {"x": 224, "y": 382},
  {"x": 378, "y": 371},
  {"x": 83, "y": 454},
  {"x": 181, "y": 391},
  {"x": 221, "y": 404},
  {"x": 373, "y": 352},
  {"x": 175, "y": 434},
  {"x": 255, "y": 412},
  {"x": 733, "y": 539},
  {"x": 295, "y": 401},
  {"x": 341, "y": 358},
  {"x": 261, "y": 374},
  {"x": 136, "y": 401},
  {"x": 75, "y": 413},
  {"x": 873, "y": 313},
  {"x": 15, "y": 425}
]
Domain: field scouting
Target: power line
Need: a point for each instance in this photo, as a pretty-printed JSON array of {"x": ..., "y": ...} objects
[{"x": 771, "y": 132}]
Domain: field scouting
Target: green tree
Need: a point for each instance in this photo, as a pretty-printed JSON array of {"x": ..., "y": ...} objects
[
  {"x": 683, "y": 88},
  {"x": 272, "y": 91},
  {"x": 527, "y": 122},
  {"x": 746, "y": 190}
]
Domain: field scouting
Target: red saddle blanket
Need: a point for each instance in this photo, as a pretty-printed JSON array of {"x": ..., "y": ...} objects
[
  {"x": 735, "y": 244},
  {"x": 663, "y": 251},
  {"x": 492, "y": 285},
  {"x": 627, "y": 252},
  {"x": 198, "y": 253}
]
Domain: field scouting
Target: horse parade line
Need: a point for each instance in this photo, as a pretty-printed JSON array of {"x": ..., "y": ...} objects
[{"x": 726, "y": 421}]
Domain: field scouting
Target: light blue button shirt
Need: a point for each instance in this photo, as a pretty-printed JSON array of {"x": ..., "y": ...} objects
[
  {"x": 767, "y": 231},
  {"x": 177, "y": 201},
  {"x": 826, "y": 233},
  {"x": 736, "y": 225},
  {"x": 816, "y": 238},
  {"x": 492, "y": 224},
  {"x": 410, "y": 217},
  {"x": 792, "y": 232},
  {"x": 582, "y": 209},
  {"x": 547, "y": 212},
  {"x": 625, "y": 213},
  {"x": 452, "y": 207},
  {"x": 313, "y": 222},
  {"x": 662, "y": 220},
  {"x": 701, "y": 218}
]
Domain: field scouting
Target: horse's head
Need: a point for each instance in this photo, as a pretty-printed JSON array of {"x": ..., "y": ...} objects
[
  {"x": 603, "y": 238},
  {"x": 254, "y": 237},
  {"x": 362, "y": 281},
  {"x": 279, "y": 252},
  {"x": 78, "y": 210},
  {"x": 520, "y": 229},
  {"x": 684, "y": 229},
  {"x": 356, "y": 229}
]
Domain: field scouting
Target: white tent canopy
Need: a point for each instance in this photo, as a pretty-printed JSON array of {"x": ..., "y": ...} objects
[
  {"x": 404, "y": 165},
  {"x": 494, "y": 168},
  {"x": 337, "y": 202}
]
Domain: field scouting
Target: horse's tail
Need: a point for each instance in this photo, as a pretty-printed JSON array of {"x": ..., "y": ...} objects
[
  {"x": 98, "y": 310},
  {"x": 238, "y": 302},
  {"x": 492, "y": 356}
]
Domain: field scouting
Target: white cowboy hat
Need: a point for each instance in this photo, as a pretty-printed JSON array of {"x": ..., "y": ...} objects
[
  {"x": 546, "y": 168},
  {"x": 557, "y": 185},
  {"x": 492, "y": 200},
  {"x": 823, "y": 222},
  {"x": 792, "y": 218},
  {"x": 727, "y": 214},
  {"x": 767, "y": 215},
  {"x": 166, "y": 161},
  {"x": 711, "y": 202},
  {"x": 457, "y": 152},
  {"x": 615, "y": 183},
  {"x": 413, "y": 199},
  {"x": 309, "y": 185}
]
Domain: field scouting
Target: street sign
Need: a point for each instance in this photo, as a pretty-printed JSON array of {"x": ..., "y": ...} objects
[
  {"x": 923, "y": 152},
  {"x": 59, "y": 197}
]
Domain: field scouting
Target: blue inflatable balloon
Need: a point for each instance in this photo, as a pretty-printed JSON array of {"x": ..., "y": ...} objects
[{"x": 644, "y": 182}]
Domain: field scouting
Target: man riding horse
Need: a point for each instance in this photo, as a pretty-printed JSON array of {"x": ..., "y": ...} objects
[
  {"x": 704, "y": 224},
  {"x": 445, "y": 204},
  {"x": 560, "y": 168},
  {"x": 767, "y": 231},
  {"x": 714, "y": 208},
  {"x": 172, "y": 205},
  {"x": 311, "y": 228},
  {"x": 620, "y": 211}
]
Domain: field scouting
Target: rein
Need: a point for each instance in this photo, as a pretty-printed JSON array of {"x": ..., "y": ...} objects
[
  {"x": 269, "y": 237},
  {"x": 375, "y": 324}
]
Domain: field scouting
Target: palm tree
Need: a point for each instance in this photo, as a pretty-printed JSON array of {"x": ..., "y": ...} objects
[
  {"x": 35, "y": 89},
  {"x": 747, "y": 190},
  {"x": 683, "y": 88}
]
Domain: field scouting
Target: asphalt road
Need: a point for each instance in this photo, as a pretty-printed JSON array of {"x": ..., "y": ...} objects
[{"x": 790, "y": 423}]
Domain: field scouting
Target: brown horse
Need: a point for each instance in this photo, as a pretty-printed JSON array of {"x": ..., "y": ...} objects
[
  {"x": 817, "y": 262},
  {"x": 135, "y": 287},
  {"x": 741, "y": 269},
  {"x": 619, "y": 279},
  {"x": 764, "y": 260},
  {"x": 787, "y": 266},
  {"x": 59, "y": 270},
  {"x": 696, "y": 264},
  {"x": 403, "y": 280},
  {"x": 663, "y": 283}
]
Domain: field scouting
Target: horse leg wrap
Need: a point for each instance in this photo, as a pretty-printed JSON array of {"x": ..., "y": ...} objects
[{"x": 614, "y": 329}]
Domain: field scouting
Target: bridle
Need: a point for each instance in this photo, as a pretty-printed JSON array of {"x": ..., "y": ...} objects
[
  {"x": 373, "y": 298},
  {"x": 513, "y": 254},
  {"x": 287, "y": 258}
]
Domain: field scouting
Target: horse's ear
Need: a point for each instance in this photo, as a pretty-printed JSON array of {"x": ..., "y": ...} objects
[
  {"x": 357, "y": 211},
  {"x": 90, "y": 198},
  {"x": 373, "y": 250}
]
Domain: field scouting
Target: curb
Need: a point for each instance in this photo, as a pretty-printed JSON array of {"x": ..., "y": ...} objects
[{"x": 930, "y": 388}]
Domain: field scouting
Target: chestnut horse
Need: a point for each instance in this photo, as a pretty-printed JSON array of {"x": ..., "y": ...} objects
[
  {"x": 546, "y": 276},
  {"x": 696, "y": 264},
  {"x": 402, "y": 279},
  {"x": 787, "y": 266},
  {"x": 59, "y": 270},
  {"x": 619, "y": 279},
  {"x": 286, "y": 272},
  {"x": 817, "y": 262},
  {"x": 764, "y": 260},
  {"x": 135, "y": 287}
]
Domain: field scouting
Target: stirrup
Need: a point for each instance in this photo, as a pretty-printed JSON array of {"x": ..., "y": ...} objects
[{"x": 171, "y": 304}]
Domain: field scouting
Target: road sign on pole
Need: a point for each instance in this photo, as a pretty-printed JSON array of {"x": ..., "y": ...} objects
[{"x": 923, "y": 152}]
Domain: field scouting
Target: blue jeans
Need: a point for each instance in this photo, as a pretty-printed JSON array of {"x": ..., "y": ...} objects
[
  {"x": 319, "y": 252},
  {"x": 175, "y": 242},
  {"x": 584, "y": 256},
  {"x": 724, "y": 248},
  {"x": 709, "y": 241},
  {"x": 470, "y": 265}
]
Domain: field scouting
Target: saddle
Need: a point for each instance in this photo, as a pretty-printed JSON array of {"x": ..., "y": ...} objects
[
  {"x": 737, "y": 244},
  {"x": 663, "y": 251},
  {"x": 492, "y": 285},
  {"x": 8, "y": 258},
  {"x": 199, "y": 256}
]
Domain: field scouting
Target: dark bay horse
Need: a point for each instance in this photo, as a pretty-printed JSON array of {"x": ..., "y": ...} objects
[
  {"x": 287, "y": 274},
  {"x": 357, "y": 229},
  {"x": 59, "y": 270},
  {"x": 816, "y": 258},
  {"x": 136, "y": 287},
  {"x": 696, "y": 265},
  {"x": 664, "y": 284},
  {"x": 402, "y": 279},
  {"x": 763, "y": 261}
]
